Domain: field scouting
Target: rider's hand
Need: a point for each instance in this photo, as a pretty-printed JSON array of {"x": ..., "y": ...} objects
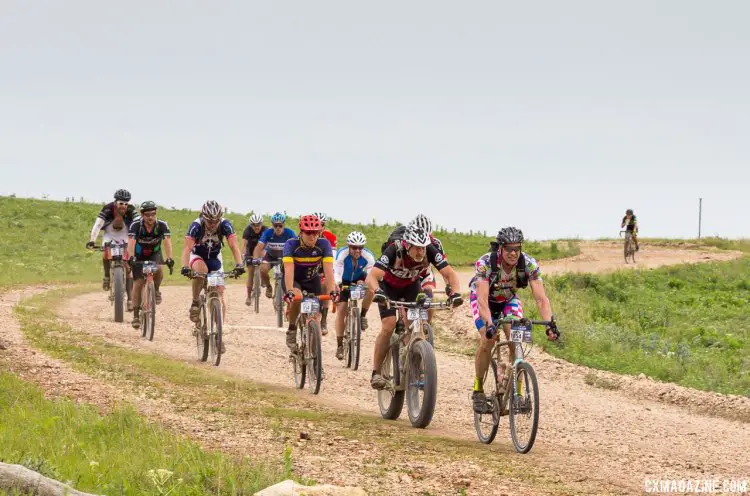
[
  {"x": 553, "y": 333},
  {"x": 238, "y": 270},
  {"x": 289, "y": 296},
  {"x": 131, "y": 262},
  {"x": 491, "y": 331},
  {"x": 90, "y": 245},
  {"x": 256, "y": 261},
  {"x": 185, "y": 271},
  {"x": 335, "y": 295}
]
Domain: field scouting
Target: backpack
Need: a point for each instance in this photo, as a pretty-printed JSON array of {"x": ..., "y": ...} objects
[
  {"x": 522, "y": 278},
  {"x": 395, "y": 235}
]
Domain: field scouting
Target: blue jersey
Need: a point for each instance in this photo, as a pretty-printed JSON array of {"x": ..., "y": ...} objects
[
  {"x": 345, "y": 269},
  {"x": 273, "y": 244},
  {"x": 208, "y": 245}
]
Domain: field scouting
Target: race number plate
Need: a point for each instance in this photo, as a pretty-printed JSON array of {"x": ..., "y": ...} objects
[
  {"x": 516, "y": 336},
  {"x": 357, "y": 293},
  {"x": 310, "y": 306},
  {"x": 116, "y": 250},
  {"x": 416, "y": 313},
  {"x": 149, "y": 268},
  {"x": 215, "y": 279},
  {"x": 525, "y": 329}
]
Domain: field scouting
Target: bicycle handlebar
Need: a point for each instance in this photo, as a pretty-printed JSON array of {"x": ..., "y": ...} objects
[
  {"x": 230, "y": 274},
  {"x": 321, "y": 297}
]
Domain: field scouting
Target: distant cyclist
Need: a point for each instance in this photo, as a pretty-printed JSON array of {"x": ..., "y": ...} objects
[
  {"x": 202, "y": 250},
  {"x": 122, "y": 214},
  {"x": 146, "y": 236},
  {"x": 332, "y": 240},
  {"x": 505, "y": 265},
  {"x": 250, "y": 238},
  {"x": 630, "y": 223},
  {"x": 349, "y": 268},
  {"x": 272, "y": 243}
]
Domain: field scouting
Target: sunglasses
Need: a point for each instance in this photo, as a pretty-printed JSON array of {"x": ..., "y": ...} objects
[
  {"x": 148, "y": 214},
  {"x": 360, "y": 248},
  {"x": 512, "y": 249},
  {"x": 122, "y": 204},
  {"x": 311, "y": 233},
  {"x": 278, "y": 225}
]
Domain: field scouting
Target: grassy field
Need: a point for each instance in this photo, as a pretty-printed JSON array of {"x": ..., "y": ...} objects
[
  {"x": 46, "y": 239},
  {"x": 686, "y": 324}
]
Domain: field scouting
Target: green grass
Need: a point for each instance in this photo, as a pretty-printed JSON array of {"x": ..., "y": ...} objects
[
  {"x": 47, "y": 240},
  {"x": 742, "y": 245},
  {"x": 117, "y": 453},
  {"x": 685, "y": 324}
]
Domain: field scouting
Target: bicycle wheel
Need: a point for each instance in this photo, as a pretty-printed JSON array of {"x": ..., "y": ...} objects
[
  {"x": 150, "y": 314},
  {"x": 214, "y": 337},
  {"x": 524, "y": 408},
  {"x": 486, "y": 423},
  {"x": 626, "y": 248},
  {"x": 118, "y": 273},
  {"x": 279, "y": 304},
  {"x": 429, "y": 333},
  {"x": 355, "y": 321},
  {"x": 298, "y": 363},
  {"x": 201, "y": 332},
  {"x": 421, "y": 386},
  {"x": 390, "y": 402},
  {"x": 256, "y": 289},
  {"x": 314, "y": 357}
]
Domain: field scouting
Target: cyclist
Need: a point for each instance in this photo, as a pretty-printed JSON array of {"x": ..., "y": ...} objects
[
  {"x": 202, "y": 250},
  {"x": 121, "y": 211},
  {"x": 250, "y": 238},
  {"x": 630, "y": 223},
  {"x": 506, "y": 265},
  {"x": 303, "y": 257},
  {"x": 396, "y": 275},
  {"x": 146, "y": 236},
  {"x": 272, "y": 242},
  {"x": 350, "y": 267},
  {"x": 428, "y": 282},
  {"x": 332, "y": 240}
]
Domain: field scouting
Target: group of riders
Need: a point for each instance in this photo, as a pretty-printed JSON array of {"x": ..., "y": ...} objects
[{"x": 310, "y": 262}]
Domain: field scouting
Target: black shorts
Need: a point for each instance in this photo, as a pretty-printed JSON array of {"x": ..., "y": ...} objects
[
  {"x": 344, "y": 296},
  {"x": 408, "y": 293},
  {"x": 138, "y": 268},
  {"x": 313, "y": 286}
]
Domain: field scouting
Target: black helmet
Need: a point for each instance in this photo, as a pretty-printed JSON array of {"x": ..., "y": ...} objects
[
  {"x": 509, "y": 235},
  {"x": 629, "y": 211},
  {"x": 122, "y": 195},
  {"x": 148, "y": 206}
]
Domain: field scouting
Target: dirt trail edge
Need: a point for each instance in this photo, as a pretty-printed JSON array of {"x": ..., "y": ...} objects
[{"x": 587, "y": 435}]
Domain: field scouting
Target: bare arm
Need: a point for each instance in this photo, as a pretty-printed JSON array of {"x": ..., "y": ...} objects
[
  {"x": 259, "y": 250},
  {"x": 451, "y": 276},
  {"x": 483, "y": 297},
  {"x": 373, "y": 279},
  {"x": 540, "y": 296},
  {"x": 168, "y": 246},
  {"x": 289, "y": 273},
  {"x": 232, "y": 240},
  {"x": 328, "y": 272},
  {"x": 131, "y": 247},
  {"x": 244, "y": 245},
  {"x": 186, "y": 249}
]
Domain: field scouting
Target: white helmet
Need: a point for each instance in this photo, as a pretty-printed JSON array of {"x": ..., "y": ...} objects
[
  {"x": 356, "y": 238},
  {"x": 320, "y": 215},
  {"x": 256, "y": 219},
  {"x": 422, "y": 221},
  {"x": 211, "y": 210},
  {"x": 416, "y": 236}
]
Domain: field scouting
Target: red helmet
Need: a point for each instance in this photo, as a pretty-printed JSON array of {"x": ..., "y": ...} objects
[{"x": 310, "y": 223}]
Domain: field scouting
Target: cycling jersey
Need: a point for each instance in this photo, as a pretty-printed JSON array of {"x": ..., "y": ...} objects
[
  {"x": 630, "y": 226},
  {"x": 208, "y": 245},
  {"x": 437, "y": 243},
  {"x": 148, "y": 243},
  {"x": 401, "y": 271},
  {"x": 274, "y": 244},
  {"x": 111, "y": 234},
  {"x": 252, "y": 238},
  {"x": 345, "y": 269},
  {"x": 107, "y": 214},
  {"x": 330, "y": 237},
  {"x": 483, "y": 272},
  {"x": 307, "y": 259}
]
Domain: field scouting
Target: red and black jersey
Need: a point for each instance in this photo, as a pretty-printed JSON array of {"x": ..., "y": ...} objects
[{"x": 401, "y": 271}]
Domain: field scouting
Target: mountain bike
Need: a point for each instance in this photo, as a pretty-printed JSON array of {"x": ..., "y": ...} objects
[
  {"x": 147, "y": 312},
  {"x": 409, "y": 367},
  {"x": 516, "y": 393},
  {"x": 208, "y": 330},
  {"x": 278, "y": 304},
  {"x": 307, "y": 362},
  {"x": 629, "y": 247},
  {"x": 116, "y": 252},
  {"x": 353, "y": 324}
]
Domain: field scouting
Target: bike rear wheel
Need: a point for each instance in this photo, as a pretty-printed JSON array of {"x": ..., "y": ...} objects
[
  {"x": 390, "y": 402},
  {"x": 486, "y": 423},
  {"x": 201, "y": 336},
  {"x": 421, "y": 386},
  {"x": 215, "y": 335},
  {"x": 314, "y": 357},
  {"x": 118, "y": 271},
  {"x": 523, "y": 407}
]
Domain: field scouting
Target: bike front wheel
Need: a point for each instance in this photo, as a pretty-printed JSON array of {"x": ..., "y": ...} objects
[
  {"x": 118, "y": 271},
  {"x": 279, "y": 304},
  {"x": 215, "y": 334},
  {"x": 355, "y": 337},
  {"x": 314, "y": 357},
  {"x": 256, "y": 290},
  {"x": 201, "y": 334},
  {"x": 523, "y": 406},
  {"x": 421, "y": 386},
  {"x": 148, "y": 311}
]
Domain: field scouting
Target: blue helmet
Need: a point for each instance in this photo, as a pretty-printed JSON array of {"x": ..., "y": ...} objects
[{"x": 278, "y": 218}]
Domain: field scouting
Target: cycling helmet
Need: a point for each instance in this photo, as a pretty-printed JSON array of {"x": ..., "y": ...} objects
[
  {"x": 256, "y": 219},
  {"x": 148, "y": 206},
  {"x": 310, "y": 223},
  {"x": 122, "y": 195},
  {"x": 629, "y": 211},
  {"x": 323, "y": 217},
  {"x": 356, "y": 238},
  {"x": 211, "y": 210},
  {"x": 422, "y": 221},
  {"x": 278, "y": 218},
  {"x": 509, "y": 235},
  {"x": 416, "y": 236}
]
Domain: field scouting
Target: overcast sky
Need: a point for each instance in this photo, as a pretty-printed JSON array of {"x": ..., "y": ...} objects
[{"x": 554, "y": 116}]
